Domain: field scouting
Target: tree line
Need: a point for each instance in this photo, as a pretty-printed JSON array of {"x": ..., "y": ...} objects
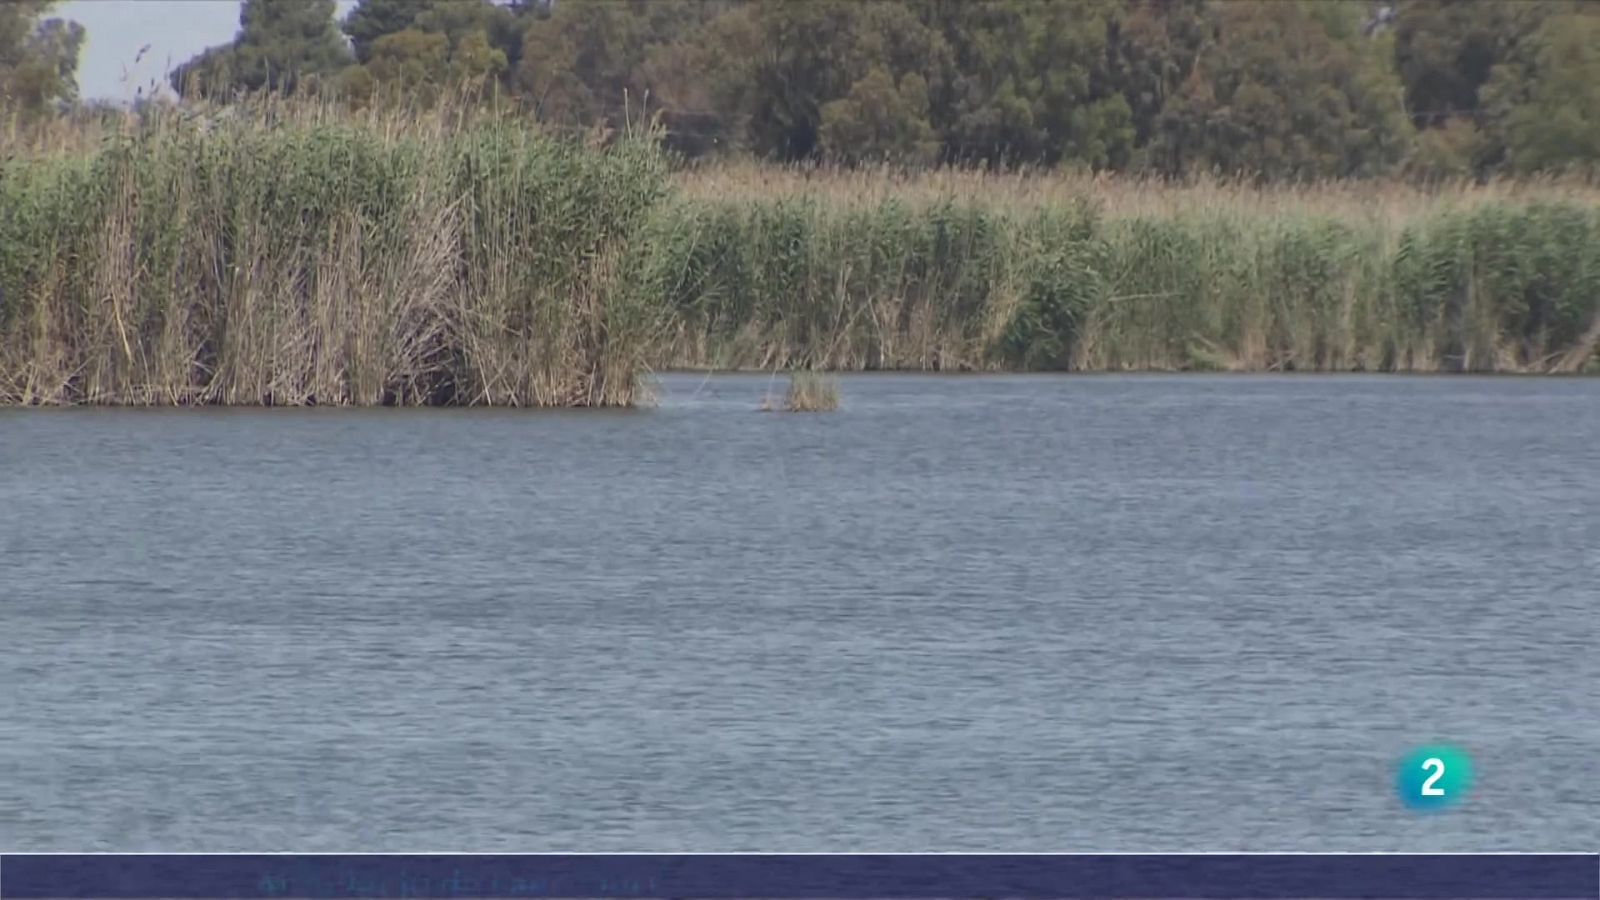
[{"x": 1277, "y": 89}]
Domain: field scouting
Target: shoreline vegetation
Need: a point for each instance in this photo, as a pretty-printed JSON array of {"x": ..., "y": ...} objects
[{"x": 295, "y": 254}]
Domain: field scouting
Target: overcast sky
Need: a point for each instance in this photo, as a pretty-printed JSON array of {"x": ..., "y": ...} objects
[{"x": 174, "y": 29}]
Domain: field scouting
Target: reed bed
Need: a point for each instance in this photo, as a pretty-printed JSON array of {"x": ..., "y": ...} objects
[
  {"x": 288, "y": 254},
  {"x": 294, "y": 255},
  {"x": 773, "y": 268},
  {"x": 808, "y": 392}
]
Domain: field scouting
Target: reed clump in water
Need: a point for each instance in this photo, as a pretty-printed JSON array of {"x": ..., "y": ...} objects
[
  {"x": 287, "y": 254},
  {"x": 811, "y": 392},
  {"x": 771, "y": 268}
]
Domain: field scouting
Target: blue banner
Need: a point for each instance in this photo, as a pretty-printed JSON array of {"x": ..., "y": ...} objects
[{"x": 348, "y": 877}]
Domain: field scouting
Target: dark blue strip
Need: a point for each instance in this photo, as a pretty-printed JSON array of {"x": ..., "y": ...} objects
[{"x": 1425, "y": 877}]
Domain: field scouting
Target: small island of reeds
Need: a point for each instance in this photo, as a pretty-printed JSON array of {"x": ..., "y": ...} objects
[{"x": 807, "y": 392}]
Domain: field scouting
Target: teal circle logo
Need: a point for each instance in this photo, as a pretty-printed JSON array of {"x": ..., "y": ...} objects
[{"x": 1434, "y": 778}]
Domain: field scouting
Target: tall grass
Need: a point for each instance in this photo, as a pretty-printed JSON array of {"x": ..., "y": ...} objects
[
  {"x": 837, "y": 269},
  {"x": 302, "y": 254},
  {"x": 290, "y": 255},
  {"x": 808, "y": 392}
]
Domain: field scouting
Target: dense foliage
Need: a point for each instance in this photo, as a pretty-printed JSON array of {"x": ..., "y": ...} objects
[
  {"x": 979, "y": 271},
  {"x": 293, "y": 256},
  {"x": 38, "y": 58},
  {"x": 1272, "y": 88},
  {"x": 299, "y": 253}
]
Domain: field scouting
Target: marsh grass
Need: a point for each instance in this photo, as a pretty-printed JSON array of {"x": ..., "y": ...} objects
[
  {"x": 769, "y": 267},
  {"x": 808, "y": 392},
  {"x": 284, "y": 254},
  {"x": 276, "y": 253}
]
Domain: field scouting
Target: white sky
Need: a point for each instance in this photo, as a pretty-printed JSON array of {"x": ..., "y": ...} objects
[{"x": 174, "y": 29}]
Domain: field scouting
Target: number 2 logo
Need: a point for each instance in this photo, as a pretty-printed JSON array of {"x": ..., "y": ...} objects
[
  {"x": 1433, "y": 778},
  {"x": 1435, "y": 765}
]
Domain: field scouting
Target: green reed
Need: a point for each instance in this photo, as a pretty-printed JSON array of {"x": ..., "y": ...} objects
[
  {"x": 811, "y": 392},
  {"x": 924, "y": 279},
  {"x": 319, "y": 261},
  {"x": 281, "y": 255}
]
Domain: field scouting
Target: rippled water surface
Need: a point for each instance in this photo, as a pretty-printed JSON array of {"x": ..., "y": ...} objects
[{"x": 1010, "y": 613}]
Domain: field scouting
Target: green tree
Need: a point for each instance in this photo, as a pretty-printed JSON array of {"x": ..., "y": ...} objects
[
  {"x": 417, "y": 60},
  {"x": 880, "y": 120},
  {"x": 1558, "y": 125},
  {"x": 1276, "y": 88},
  {"x": 1465, "y": 65},
  {"x": 1286, "y": 89},
  {"x": 1445, "y": 51},
  {"x": 1449, "y": 151},
  {"x": 372, "y": 20},
  {"x": 1032, "y": 81},
  {"x": 686, "y": 81},
  {"x": 479, "y": 24},
  {"x": 780, "y": 64},
  {"x": 474, "y": 58},
  {"x": 421, "y": 48},
  {"x": 1152, "y": 47},
  {"x": 38, "y": 57},
  {"x": 589, "y": 63},
  {"x": 281, "y": 44},
  {"x": 421, "y": 66}
]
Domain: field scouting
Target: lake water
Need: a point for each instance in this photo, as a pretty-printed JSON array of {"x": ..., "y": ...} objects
[{"x": 1004, "y": 613}]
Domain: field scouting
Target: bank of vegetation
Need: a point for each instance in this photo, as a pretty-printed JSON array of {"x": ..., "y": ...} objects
[
  {"x": 296, "y": 255},
  {"x": 1271, "y": 89},
  {"x": 301, "y": 254},
  {"x": 846, "y": 269}
]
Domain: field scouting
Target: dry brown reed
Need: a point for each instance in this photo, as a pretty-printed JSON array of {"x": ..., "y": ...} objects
[
  {"x": 807, "y": 392},
  {"x": 953, "y": 269},
  {"x": 298, "y": 253}
]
